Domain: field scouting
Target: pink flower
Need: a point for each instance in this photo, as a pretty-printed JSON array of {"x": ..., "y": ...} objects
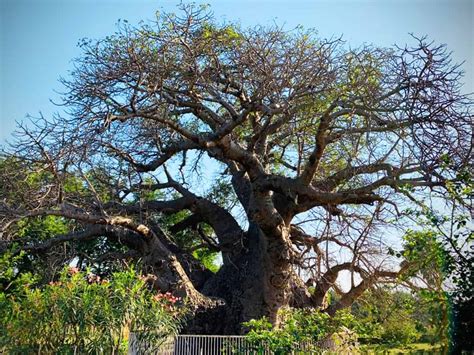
[
  {"x": 91, "y": 278},
  {"x": 167, "y": 297},
  {"x": 73, "y": 270}
]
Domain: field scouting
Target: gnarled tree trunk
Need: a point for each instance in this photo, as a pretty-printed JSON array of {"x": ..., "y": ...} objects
[{"x": 253, "y": 285}]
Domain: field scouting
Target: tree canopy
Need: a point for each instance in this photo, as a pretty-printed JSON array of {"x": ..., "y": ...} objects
[{"x": 292, "y": 156}]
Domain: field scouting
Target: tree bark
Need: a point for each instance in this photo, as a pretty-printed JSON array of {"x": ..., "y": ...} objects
[{"x": 256, "y": 284}]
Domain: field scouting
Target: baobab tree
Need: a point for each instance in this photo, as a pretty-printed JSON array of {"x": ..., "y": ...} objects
[{"x": 317, "y": 150}]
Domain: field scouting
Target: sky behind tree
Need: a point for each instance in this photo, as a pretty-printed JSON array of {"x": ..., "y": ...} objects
[{"x": 38, "y": 38}]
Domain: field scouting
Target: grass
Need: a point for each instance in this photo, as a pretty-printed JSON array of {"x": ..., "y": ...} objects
[{"x": 415, "y": 348}]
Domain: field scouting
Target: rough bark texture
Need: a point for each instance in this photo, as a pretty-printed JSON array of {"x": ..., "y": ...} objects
[{"x": 248, "y": 287}]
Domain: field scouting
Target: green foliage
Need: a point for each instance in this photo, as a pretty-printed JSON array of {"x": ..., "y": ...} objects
[
  {"x": 423, "y": 250},
  {"x": 456, "y": 234},
  {"x": 427, "y": 258},
  {"x": 298, "y": 326},
  {"x": 382, "y": 316},
  {"x": 225, "y": 36},
  {"x": 42, "y": 228},
  {"x": 208, "y": 258},
  {"x": 430, "y": 256},
  {"x": 82, "y": 313},
  {"x": 394, "y": 317},
  {"x": 8, "y": 269}
]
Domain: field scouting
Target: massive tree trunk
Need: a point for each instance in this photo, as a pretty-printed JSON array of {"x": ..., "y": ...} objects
[{"x": 254, "y": 284}]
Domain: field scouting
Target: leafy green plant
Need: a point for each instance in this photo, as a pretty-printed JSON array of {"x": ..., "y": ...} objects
[
  {"x": 306, "y": 328},
  {"x": 80, "y": 312}
]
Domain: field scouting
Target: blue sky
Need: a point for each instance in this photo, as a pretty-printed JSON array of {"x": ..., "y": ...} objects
[{"x": 38, "y": 38}]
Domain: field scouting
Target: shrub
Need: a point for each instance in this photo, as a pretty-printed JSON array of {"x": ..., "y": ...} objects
[
  {"x": 82, "y": 313},
  {"x": 310, "y": 329},
  {"x": 396, "y": 317}
]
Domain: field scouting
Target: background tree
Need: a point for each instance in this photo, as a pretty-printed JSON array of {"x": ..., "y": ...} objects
[{"x": 317, "y": 147}]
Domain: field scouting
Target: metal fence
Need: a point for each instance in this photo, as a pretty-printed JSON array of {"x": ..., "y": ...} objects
[{"x": 209, "y": 345}]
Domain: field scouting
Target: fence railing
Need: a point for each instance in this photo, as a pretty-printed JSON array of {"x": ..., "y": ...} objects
[{"x": 210, "y": 345}]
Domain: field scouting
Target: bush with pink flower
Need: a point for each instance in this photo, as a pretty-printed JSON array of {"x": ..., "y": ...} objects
[{"x": 82, "y": 313}]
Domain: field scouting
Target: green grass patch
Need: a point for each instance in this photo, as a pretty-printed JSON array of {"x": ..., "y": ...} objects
[{"x": 415, "y": 348}]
